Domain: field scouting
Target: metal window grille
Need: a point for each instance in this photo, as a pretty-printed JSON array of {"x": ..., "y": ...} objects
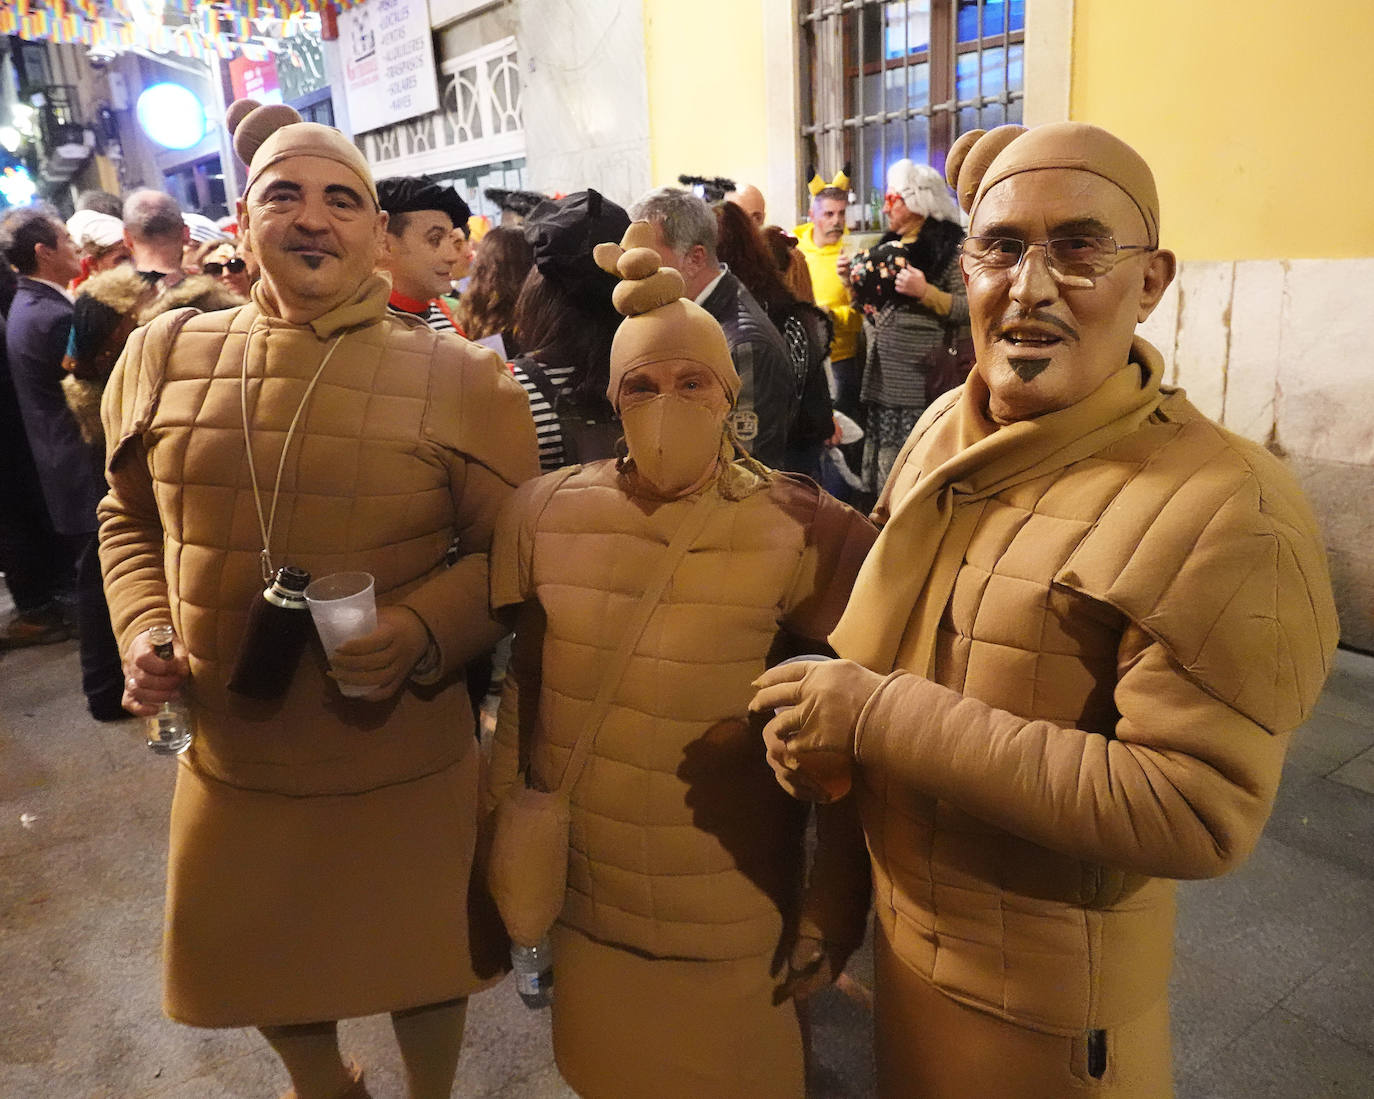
[{"x": 887, "y": 79}]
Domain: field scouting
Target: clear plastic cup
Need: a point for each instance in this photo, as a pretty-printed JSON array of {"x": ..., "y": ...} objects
[
  {"x": 344, "y": 606},
  {"x": 824, "y": 771}
]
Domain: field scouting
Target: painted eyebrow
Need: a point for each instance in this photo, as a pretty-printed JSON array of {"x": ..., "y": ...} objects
[
  {"x": 1077, "y": 227},
  {"x": 336, "y": 189}
]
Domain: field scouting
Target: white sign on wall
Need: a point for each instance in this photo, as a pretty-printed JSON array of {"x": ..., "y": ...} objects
[{"x": 388, "y": 62}]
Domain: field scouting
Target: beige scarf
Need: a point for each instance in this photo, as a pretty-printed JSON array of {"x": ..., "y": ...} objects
[{"x": 902, "y": 590}]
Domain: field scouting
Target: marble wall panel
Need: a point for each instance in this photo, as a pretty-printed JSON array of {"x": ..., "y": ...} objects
[
  {"x": 1201, "y": 341},
  {"x": 1325, "y": 401},
  {"x": 1256, "y": 343},
  {"x": 1161, "y": 328}
]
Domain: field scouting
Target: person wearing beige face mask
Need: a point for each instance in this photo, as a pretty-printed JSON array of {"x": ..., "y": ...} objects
[{"x": 676, "y": 971}]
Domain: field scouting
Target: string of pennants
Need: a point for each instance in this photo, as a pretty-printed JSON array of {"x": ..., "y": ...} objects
[{"x": 202, "y": 30}]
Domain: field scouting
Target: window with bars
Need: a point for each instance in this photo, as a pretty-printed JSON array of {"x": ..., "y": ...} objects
[{"x": 886, "y": 79}]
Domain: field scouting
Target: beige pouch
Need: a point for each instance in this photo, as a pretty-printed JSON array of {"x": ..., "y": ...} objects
[{"x": 528, "y": 871}]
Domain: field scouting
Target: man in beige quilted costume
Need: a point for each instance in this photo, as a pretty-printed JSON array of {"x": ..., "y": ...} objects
[
  {"x": 685, "y": 896},
  {"x": 321, "y": 846},
  {"x": 1074, "y": 658}
]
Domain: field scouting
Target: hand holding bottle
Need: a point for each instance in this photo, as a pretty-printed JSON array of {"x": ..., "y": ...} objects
[{"x": 150, "y": 679}]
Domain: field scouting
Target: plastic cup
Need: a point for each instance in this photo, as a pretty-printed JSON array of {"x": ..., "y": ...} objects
[
  {"x": 344, "y": 606},
  {"x": 824, "y": 771}
]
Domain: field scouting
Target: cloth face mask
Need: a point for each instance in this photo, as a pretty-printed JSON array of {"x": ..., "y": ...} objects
[{"x": 672, "y": 440}]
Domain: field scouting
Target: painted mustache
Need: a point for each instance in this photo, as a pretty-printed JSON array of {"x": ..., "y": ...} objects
[
  {"x": 1034, "y": 318},
  {"x": 1028, "y": 329}
]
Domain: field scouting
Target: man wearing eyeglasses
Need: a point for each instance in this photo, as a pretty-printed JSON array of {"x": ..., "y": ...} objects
[{"x": 1073, "y": 660}]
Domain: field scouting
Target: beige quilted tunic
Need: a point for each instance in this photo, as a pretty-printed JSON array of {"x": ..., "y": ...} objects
[
  {"x": 682, "y": 843},
  {"x": 321, "y": 846},
  {"x": 683, "y": 847},
  {"x": 1129, "y": 641}
]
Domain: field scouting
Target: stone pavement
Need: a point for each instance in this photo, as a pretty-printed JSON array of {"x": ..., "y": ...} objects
[{"x": 1273, "y": 992}]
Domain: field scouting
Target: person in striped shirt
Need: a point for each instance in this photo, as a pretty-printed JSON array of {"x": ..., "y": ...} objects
[
  {"x": 420, "y": 248},
  {"x": 565, "y": 322}
]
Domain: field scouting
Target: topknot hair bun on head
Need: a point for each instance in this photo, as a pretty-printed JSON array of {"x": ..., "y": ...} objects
[
  {"x": 981, "y": 159},
  {"x": 645, "y": 284},
  {"x": 661, "y": 324},
  {"x": 252, "y": 124},
  {"x": 265, "y": 135},
  {"x": 972, "y": 155}
]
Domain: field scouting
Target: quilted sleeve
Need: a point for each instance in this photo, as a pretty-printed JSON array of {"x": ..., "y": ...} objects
[
  {"x": 479, "y": 420},
  {"x": 1212, "y": 550},
  {"x": 1181, "y": 791},
  {"x": 837, "y": 542},
  {"x": 130, "y": 527}
]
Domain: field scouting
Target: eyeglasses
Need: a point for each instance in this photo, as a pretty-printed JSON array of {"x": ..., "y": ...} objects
[
  {"x": 1073, "y": 261},
  {"x": 234, "y": 266}
]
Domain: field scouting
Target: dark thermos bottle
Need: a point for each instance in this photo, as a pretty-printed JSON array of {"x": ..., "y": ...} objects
[{"x": 278, "y": 628}]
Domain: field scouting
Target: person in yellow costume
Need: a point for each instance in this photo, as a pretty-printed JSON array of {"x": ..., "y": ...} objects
[
  {"x": 686, "y": 878},
  {"x": 820, "y": 240},
  {"x": 1073, "y": 660}
]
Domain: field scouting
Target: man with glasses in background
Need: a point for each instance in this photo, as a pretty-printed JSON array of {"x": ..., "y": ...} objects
[{"x": 1073, "y": 660}]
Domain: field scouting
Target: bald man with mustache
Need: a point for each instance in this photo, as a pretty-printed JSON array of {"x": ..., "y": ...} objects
[{"x": 1073, "y": 660}]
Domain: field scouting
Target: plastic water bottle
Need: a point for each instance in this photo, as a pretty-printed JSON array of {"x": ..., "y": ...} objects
[
  {"x": 171, "y": 728},
  {"x": 533, "y": 967}
]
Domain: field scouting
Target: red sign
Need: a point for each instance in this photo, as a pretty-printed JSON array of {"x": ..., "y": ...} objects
[{"x": 255, "y": 80}]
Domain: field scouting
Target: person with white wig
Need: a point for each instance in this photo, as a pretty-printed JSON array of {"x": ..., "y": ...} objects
[{"x": 911, "y": 291}]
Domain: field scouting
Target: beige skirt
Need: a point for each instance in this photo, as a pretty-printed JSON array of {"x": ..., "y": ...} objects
[
  {"x": 630, "y": 1027},
  {"x": 931, "y": 1046},
  {"x": 301, "y": 909}
]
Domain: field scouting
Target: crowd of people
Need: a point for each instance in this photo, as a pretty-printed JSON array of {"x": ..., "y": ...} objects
[{"x": 1055, "y": 669}]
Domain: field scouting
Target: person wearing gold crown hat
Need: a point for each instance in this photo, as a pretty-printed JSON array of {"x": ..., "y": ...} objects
[
  {"x": 684, "y": 897},
  {"x": 821, "y": 241},
  {"x": 1073, "y": 660},
  {"x": 321, "y": 845}
]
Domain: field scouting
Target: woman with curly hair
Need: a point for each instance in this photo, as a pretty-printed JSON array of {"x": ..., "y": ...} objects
[{"x": 487, "y": 307}]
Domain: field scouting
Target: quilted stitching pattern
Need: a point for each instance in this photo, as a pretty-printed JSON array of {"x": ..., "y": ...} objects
[
  {"x": 385, "y": 468},
  {"x": 678, "y": 826},
  {"x": 1058, "y": 592}
]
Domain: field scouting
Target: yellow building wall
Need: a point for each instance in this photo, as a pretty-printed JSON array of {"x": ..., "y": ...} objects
[
  {"x": 707, "y": 103},
  {"x": 1258, "y": 118}
]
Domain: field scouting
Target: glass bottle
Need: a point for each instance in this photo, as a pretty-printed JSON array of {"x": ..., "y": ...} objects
[
  {"x": 533, "y": 967},
  {"x": 171, "y": 728}
]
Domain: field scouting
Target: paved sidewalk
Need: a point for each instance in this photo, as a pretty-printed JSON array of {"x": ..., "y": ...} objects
[{"x": 1273, "y": 993}]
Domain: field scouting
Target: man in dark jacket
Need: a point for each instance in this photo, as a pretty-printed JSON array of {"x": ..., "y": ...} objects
[
  {"x": 685, "y": 238},
  {"x": 36, "y": 242},
  {"x": 30, "y": 552}
]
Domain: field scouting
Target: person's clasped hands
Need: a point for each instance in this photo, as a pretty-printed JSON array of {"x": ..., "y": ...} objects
[{"x": 811, "y": 739}]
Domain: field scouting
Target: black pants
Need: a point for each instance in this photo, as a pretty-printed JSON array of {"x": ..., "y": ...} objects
[
  {"x": 33, "y": 557},
  {"x": 102, "y": 674}
]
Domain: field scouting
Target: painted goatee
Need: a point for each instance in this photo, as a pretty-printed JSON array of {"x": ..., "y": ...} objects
[
  {"x": 1028, "y": 369},
  {"x": 313, "y": 262}
]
